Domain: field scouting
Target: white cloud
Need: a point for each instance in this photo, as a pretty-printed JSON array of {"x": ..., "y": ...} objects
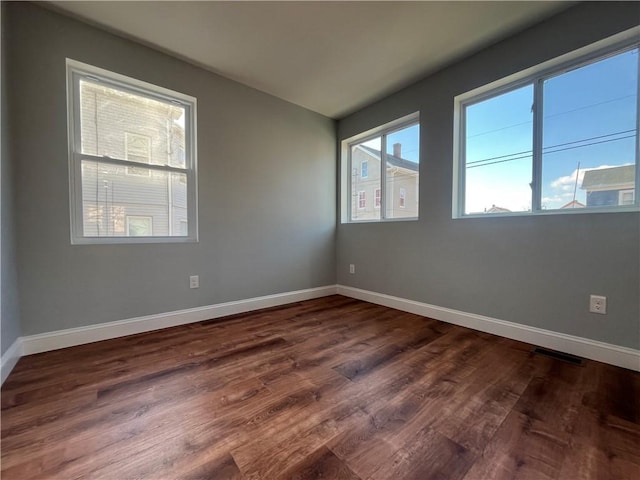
[{"x": 559, "y": 197}]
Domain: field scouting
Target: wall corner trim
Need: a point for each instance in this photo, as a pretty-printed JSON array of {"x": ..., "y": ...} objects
[
  {"x": 10, "y": 358},
  {"x": 104, "y": 331},
  {"x": 603, "y": 352}
]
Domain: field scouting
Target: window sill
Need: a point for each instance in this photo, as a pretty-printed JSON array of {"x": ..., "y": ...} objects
[
  {"x": 544, "y": 213},
  {"x": 130, "y": 240},
  {"x": 386, "y": 220}
]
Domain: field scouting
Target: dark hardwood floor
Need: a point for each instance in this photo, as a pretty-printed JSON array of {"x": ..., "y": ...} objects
[{"x": 332, "y": 388}]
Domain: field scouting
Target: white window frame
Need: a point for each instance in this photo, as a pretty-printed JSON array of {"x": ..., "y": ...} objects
[
  {"x": 128, "y": 219},
  {"x": 402, "y": 201},
  {"x": 346, "y": 188},
  {"x": 364, "y": 165},
  {"x": 77, "y": 71},
  {"x": 377, "y": 197},
  {"x": 535, "y": 76}
]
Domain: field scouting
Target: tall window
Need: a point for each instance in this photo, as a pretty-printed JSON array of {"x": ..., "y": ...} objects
[
  {"x": 362, "y": 199},
  {"x": 564, "y": 139},
  {"x": 132, "y": 159},
  {"x": 392, "y": 156}
]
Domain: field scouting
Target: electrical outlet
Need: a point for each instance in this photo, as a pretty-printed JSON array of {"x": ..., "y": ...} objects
[
  {"x": 598, "y": 304},
  {"x": 352, "y": 268},
  {"x": 194, "y": 281}
]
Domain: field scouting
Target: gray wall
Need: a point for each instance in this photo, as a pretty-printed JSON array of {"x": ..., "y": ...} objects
[
  {"x": 9, "y": 315},
  {"x": 533, "y": 271},
  {"x": 266, "y": 188}
]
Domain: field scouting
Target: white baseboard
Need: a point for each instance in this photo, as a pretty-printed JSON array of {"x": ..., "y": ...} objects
[
  {"x": 77, "y": 336},
  {"x": 582, "y": 347},
  {"x": 10, "y": 358}
]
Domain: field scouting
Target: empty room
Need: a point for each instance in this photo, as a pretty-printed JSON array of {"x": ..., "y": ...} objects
[{"x": 304, "y": 240}]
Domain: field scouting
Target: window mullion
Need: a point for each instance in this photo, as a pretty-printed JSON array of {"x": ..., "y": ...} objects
[
  {"x": 536, "y": 180},
  {"x": 350, "y": 188},
  {"x": 383, "y": 177},
  {"x": 75, "y": 170},
  {"x": 462, "y": 163},
  {"x": 77, "y": 134},
  {"x": 636, "y": 199}
]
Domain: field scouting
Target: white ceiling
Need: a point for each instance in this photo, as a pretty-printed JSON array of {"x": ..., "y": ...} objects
[{"x": 330, "y": 57}]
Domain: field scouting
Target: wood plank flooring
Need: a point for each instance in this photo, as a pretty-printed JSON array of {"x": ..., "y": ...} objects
[{"x": 332, "y": 388}]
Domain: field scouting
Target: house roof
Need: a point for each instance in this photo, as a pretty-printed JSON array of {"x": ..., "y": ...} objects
[
  {"x": 573, "y": 204},
  {"x": 604, "y": 177},
  {"x": 496, "y": 209},
  {"x": 392, "y": 159}
]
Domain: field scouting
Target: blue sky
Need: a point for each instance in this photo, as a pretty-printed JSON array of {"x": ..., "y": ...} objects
[
  {"x": 587, "y": 114},
  {"x": 499, "y": 129},
  {"x": 408, "y": 137}
]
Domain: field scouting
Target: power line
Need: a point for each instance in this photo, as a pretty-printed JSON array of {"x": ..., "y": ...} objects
[
  {"x": 475, "y": 162},
  {"x": 499, "y": 161},
  {"x": 551, "y": 116},
  {"x": 589, "y": 106},
  {"x": 501, "y": 156},
  {"x": 589, "y": 144},
  {"x": 591, "y": 138},
  {"x": 554, "y": 151},
  {"x": 500, "y": 129}
]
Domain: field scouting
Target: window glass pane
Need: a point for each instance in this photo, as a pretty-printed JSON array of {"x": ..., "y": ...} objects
[
  {"x": 139, "y": 226},
  {"x": 363, "y": 189},
  {"x": 132, "y": 127},
  {"x": 402, "y": 172},
  {"x": 589, "y": 134},
  {"x": 116, "y": 203},
  {"x": 364, "y": 169},
  {"x": 498, "y": 153}
]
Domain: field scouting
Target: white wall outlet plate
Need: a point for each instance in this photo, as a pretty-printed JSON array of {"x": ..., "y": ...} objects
[{"x": 598, "y": 304}]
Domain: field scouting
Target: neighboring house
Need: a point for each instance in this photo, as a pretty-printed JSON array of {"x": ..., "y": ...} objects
[
  {"x": 130, "y": 201},
  {"x": 496, "y": 209},
  {"x": 610, "y": 186},
  {"x": 401, "y": 184}
]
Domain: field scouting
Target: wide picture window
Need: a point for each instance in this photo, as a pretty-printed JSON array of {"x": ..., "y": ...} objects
[
  {"x": 132, "y": 159},
  {"x": 563, "y": 140}
]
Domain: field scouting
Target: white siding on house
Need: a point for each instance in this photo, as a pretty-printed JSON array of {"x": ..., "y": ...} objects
[
  {"x": 109, "y": 194},
  {"x": 125, "y": 126},
  {"x": 396, "y": 178}
]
